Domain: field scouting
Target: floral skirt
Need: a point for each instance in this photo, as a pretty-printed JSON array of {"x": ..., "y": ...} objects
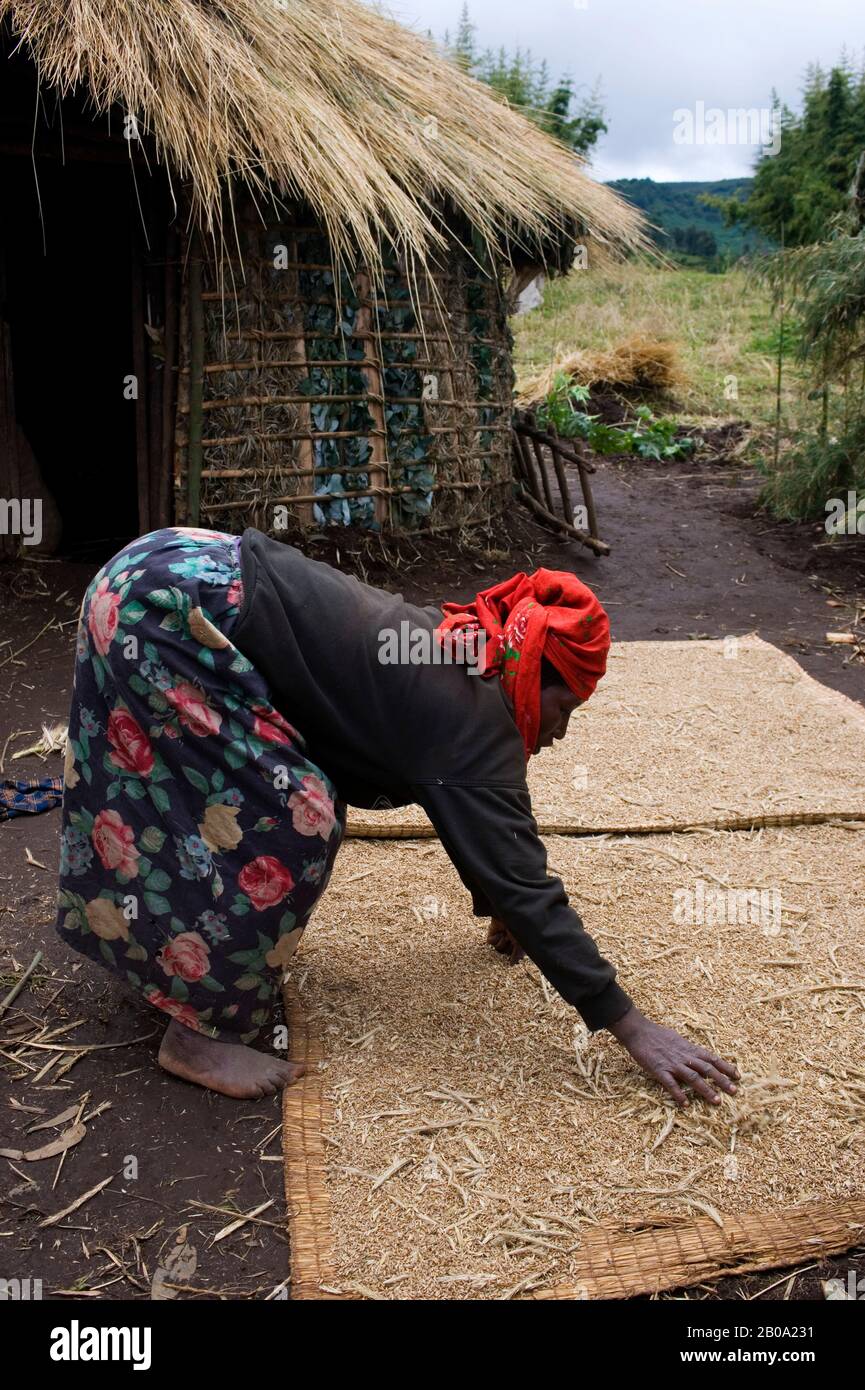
[{"x": 197, "y": 836}]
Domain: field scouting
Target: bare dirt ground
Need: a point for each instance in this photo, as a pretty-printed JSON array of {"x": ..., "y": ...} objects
[{"x": 691, "y": 556}]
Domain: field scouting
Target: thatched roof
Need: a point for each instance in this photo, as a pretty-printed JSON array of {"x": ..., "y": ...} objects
[{"x": 323, "y": 99}]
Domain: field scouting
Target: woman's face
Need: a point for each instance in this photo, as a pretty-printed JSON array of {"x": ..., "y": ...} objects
[{"x": 558, "y": 703}]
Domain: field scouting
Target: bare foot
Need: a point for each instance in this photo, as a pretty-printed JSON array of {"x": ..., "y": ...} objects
[{"x": 230, "y": 1068}]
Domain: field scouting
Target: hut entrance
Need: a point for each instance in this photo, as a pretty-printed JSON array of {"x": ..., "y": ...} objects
[{"x": 67, "y": 311}]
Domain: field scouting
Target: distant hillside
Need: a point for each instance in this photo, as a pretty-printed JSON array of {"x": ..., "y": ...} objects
[{"x": 687, "y": 226}]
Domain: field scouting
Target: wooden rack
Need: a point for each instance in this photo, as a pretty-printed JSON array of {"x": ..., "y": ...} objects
[{"x": 533, "y": 447}]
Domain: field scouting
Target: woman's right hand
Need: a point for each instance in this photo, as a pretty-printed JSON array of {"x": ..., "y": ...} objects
[{"x": 501, "y": 940}]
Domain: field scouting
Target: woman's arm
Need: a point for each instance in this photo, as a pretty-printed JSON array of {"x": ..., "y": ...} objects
[{"x": 491, "y": 838}]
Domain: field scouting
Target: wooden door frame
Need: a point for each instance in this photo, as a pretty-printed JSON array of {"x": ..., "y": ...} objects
[
  {"x": 156, "y": 270},
  {"x": 10, "y": 471}
]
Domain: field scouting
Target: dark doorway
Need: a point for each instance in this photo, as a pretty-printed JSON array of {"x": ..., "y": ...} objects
[
  {"x": 86, "y": 211},
  {"x": 67, "y": 240}
]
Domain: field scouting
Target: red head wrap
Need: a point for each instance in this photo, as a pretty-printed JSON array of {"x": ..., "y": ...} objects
[{"x": 548, "y": 614}]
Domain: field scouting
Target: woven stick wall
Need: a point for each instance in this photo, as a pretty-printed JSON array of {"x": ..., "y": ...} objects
[{"x": 319, "y": 395}]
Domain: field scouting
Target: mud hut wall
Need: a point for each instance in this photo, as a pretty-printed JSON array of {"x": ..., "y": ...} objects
[{"x": 326, "y": 397}]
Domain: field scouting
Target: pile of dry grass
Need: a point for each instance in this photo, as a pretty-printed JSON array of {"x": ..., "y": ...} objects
[
  {"x": 328, "y": 100},
  {"x": 637, "y": 363},
  {"x": 479, "y": 1134}
]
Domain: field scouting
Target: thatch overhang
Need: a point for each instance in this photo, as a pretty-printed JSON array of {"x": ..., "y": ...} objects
[{"x": 329, "y": 102}]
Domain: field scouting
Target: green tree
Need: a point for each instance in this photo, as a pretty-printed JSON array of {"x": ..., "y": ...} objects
[
  {"x": 822, "y": 286},
  {"x": 463, "y": 48},
  {"x": 695, "y": 241},
  {"x": 805, "y": 184},
  {"x": 558, "y": 107}
]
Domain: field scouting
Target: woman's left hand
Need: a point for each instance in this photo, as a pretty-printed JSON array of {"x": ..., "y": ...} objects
[
  {"x": 501, "y": 940},
  {"x": 674, "y": 1061}
]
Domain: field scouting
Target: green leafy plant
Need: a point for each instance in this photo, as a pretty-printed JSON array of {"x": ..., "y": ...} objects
[{"x": 647, "y": 436}]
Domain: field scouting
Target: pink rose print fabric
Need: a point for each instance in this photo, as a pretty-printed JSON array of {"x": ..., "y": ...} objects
[
  {"x": 312, "y": 808},
  {"x": 196, "y": 833}
]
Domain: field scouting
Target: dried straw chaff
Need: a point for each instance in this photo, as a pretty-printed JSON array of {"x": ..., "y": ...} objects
[
  {"x": 51, "y": 740},
  {"x": 482, "y": 1145},
  {"x": 716, "y": 734}
]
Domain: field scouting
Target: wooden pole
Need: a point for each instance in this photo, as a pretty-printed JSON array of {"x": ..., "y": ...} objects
[
  {"x": 564, "y": 490},
  {"x": 545, "y": 482},
  {"x": 587, "y": 494},
  {"x": 139, "y": 367},
  {"x": 194, "y": 452},
  {"x": 305, "y": 446},
  {"x": 592, "y": 542},
  {"x": 526, "y": 434},
  {"x": 379, "y": 472},
  {"x": 525, "y": 455},
  {"x": 10, "y": 476},
  {"x": 164, "y": 508},
  {"x": 570, "y": 452},
  {"x": 155, "y": 315},
  {"x": 181, "y": 414},
  {"x": 519, "y": 461},
  {"x": 388, "y": 491}
]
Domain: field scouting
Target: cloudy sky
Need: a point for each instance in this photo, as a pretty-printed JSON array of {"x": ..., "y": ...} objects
[{"x": 654, "y": 58}]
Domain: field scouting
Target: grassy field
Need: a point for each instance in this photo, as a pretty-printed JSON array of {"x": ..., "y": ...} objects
[{"x": 722, "y": 325}]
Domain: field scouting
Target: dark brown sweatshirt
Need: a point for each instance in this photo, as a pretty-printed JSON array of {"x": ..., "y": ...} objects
[{"x": 388, "y": 734}]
